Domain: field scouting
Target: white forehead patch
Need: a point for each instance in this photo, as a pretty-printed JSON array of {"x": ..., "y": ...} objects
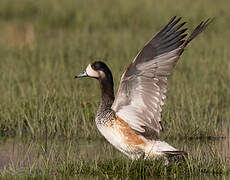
[{"x": 91, "y": 72}]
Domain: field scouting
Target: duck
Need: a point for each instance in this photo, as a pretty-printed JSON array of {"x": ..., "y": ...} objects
[{"x": 131, "y": 121}]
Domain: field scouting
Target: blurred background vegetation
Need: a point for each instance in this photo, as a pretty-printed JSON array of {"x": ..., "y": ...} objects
[{"x": 44, "y": 44}]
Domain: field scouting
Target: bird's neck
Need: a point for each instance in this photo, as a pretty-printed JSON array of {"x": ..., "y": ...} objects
[{"x": 107, "y": 94}]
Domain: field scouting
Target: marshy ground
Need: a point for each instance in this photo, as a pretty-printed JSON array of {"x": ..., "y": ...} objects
[{"x": 47, "y": 117}]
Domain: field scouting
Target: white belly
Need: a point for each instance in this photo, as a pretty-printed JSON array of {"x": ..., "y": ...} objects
[{"x": 118, "y": 140}]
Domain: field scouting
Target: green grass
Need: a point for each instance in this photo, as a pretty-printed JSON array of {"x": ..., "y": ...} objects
[
  {"x": 66, "y": 159},
  {"x": 44, "y": 44}
]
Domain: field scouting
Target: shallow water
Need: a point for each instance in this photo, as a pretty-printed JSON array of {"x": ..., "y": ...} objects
[{"x": 17, "y": 154}]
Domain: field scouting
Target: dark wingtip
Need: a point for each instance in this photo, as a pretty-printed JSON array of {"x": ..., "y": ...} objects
[
  {"x": 210, "y": 20},
  {"x": 202, "y": 26},
  {"x": 172, "y": 19}
]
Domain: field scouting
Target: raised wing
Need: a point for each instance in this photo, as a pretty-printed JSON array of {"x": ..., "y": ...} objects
[{"x": 143, "y": 85}]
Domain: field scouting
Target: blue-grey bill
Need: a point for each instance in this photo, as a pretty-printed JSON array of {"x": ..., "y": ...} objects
[{"x": 84, "y": 74}]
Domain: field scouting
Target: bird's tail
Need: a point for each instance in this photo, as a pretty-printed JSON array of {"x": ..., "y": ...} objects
[
  {"x": 175, "y": 153},
  {"x": 161, "y": 148}
]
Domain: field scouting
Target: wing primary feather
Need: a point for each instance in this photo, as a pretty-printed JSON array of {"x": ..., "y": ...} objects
[
  {"x": 173, "y": 35},
  {"x": 179, "y": 26},
  {"x": 173, "y": 41},
  {"x": 173, "y": 24},
  {"x": 166, "y": 26},
  {"x": 198, "y": 30},
  {"x": 170, "y": 47},
  {"x": 174, "y": 32}
]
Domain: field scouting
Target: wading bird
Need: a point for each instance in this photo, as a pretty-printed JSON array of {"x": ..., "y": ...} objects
[{"x": 131, "y": 121}]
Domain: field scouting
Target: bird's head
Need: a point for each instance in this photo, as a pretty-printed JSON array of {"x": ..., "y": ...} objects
[{"x": 98, "y": 70}]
